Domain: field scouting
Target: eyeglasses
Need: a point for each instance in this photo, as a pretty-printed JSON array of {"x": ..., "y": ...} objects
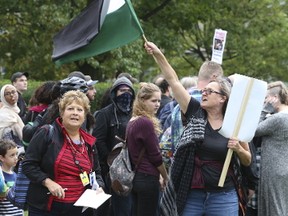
[
  {"x": 210, "y": 91},
  {"x": 13, "y": 92}
]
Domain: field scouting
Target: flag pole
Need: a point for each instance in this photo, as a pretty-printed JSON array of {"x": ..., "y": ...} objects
[{"x": 145, "y": 39}]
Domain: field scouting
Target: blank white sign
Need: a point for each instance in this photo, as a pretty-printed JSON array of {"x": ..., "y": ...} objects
[{"x": 244, "y": 108}]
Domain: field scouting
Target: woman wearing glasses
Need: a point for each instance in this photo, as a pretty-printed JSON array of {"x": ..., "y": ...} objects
[
  {"x": 201, "y": 151},
  {"x": 11, "y": 124}
]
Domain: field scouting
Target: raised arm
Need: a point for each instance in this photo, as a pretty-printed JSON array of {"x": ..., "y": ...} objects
[{"x": 179, "y": 92}]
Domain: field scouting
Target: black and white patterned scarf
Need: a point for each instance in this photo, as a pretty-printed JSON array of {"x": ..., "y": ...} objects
[{"x": 175, "y": 194}]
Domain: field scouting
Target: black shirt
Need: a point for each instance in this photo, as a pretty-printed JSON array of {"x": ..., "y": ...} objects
[
  {"x": 212, "y": 154},
  {"x": 22, "y": 106}
]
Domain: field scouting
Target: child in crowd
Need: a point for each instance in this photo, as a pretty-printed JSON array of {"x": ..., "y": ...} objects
[{"x": 9, "y": 159}]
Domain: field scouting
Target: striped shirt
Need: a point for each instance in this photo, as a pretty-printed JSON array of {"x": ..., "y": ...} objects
[
  {"x": 6, "y": 207},
  {"x": 68, "y": 173}
]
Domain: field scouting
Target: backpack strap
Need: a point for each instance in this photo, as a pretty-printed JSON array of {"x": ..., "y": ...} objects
[
  {"x": 50, "y": 132},
  {"x": 140, "y": 155}
]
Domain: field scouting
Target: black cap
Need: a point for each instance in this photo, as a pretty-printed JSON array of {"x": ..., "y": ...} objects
[{"x": 18, "y": 75}]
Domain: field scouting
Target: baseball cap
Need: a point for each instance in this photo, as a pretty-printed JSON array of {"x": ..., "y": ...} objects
[
  {"x": 89, "y": 81},
  {"x": 18, "y": 75}
]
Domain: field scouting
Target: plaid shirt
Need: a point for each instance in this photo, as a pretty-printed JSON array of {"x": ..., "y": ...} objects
[{"x": 254, "y": 199}]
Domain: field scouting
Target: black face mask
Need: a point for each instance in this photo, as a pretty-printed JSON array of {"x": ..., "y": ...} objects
[{"x": 124, "y": 102}]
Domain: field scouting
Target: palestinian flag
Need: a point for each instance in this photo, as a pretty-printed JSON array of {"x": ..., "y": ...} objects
[{"x": 102, "y": 26}]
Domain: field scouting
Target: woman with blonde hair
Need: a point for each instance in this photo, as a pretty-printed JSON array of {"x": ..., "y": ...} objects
[
  {"x": 59, "y": 167},
  {"x": 142, "y": 136}
]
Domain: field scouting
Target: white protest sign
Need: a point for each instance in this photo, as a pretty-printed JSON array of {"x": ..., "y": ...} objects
[
  {"x": 242, "y": 114},
  {"x": 219, "y": 41},
  {"x": 244, "y": 108}
]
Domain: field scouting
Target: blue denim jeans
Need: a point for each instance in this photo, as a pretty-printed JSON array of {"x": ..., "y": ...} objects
[
  {"x": 145, "y": 194},
  {"x": 199, "y": 202}
]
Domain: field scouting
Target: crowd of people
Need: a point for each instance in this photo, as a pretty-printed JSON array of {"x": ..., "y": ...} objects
[{"x": 171, "y": 128}]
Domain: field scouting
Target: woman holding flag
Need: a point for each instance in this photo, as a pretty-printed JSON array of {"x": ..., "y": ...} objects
[{"x": 201, "y": 151}]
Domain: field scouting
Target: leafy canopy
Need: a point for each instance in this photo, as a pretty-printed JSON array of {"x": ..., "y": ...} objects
[{"x": 256, "y": 39}]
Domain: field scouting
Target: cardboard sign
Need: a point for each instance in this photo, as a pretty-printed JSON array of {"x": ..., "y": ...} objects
[
  {"x": 242, "y": 115},
  {"x": 244, "y": 108}
]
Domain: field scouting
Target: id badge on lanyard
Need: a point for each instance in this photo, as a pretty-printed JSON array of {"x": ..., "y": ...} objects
[
  {"x": 84, "y": 178},
  {"x": 93, "y": 182}
]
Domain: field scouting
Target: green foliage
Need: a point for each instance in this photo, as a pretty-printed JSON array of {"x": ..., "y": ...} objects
[
  {"x": 101, "y": 89},
  {"x": 256, "y": 39},
  {"x": 253, "y": 36}
]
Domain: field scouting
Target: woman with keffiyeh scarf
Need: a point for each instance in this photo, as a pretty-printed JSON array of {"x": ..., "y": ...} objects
[{"x": 201, "y": 151}]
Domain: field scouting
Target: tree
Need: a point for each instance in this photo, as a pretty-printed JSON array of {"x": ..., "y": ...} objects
[
  {"x": 255, "y": 29},
  {"x": 256, "y": 39},
  {"x": 27, "y": 31}
]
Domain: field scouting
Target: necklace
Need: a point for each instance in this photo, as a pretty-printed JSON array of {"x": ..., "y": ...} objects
[
  {"x": 77, "y": 151},
  {"x": 70, "y": 141}
]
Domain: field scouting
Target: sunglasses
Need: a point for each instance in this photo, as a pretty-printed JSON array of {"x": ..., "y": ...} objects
[{"x": 210, "y": 91}]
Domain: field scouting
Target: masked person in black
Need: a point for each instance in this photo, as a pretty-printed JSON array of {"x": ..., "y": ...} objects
[{"x": 110, "y": 121}]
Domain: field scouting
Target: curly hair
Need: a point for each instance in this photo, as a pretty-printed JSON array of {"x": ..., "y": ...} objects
[
  {"x": 71, "y": 96},
  {"x": 145, "y": 92}
]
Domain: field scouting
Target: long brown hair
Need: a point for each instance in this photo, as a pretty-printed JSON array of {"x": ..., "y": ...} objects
[{"x": 139, "y": 108}]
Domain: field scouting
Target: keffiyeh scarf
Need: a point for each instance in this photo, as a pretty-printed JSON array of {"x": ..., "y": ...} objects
[{"x": 175, "y": 194}]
